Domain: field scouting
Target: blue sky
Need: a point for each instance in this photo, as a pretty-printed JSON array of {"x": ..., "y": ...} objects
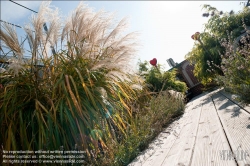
[{"x": 165, "y": 27}]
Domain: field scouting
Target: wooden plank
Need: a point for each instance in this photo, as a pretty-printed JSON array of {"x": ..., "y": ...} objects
[
  {"x": 211, "y": 139},
  {"x": 153, "y": 147},
  {"x": 232, "y": 97},
  {"x": 157, "y": 154},
  {"x": 236, "y": 124},
  {"x": 181, "y": 152},
  {"x": 155, "y": 151},
  {"x": 161, "y": 153},
  {"x": 157, "y": 146},
  {"x": 182, "y": 147}
]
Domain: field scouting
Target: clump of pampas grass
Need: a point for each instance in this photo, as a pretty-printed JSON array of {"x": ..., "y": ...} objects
[{"x": 54, "y": 99}]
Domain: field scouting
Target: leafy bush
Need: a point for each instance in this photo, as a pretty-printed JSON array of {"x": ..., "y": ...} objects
[
  {"x": 145, "y": 125},
  {"x": 161, "y": 80},
  {"x": 200, "y": 54},
  {"x": 236, "y": 67},
  {"x": 210, "y": 49}
]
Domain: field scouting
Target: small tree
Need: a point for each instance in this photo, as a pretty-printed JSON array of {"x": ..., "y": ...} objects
[{"x": 206, "y": 55}]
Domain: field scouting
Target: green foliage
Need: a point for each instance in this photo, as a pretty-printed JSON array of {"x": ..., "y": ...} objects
[
  {"x": 220, "y": 25},
  {"x": 236, "y": 68},
  {"x": 206, "y": 55},
  {"x": 170, "y": 82},
  {"x": 82, "y": 96},
  {"x": 159, "y": 80},
  {"x": 201, "y": 54},
  {"x": 146, "y": 124},
  {"x": 74, "y": 98},
  {"x": 143, "y": 66},
  {"x": 61, "y": 110}
]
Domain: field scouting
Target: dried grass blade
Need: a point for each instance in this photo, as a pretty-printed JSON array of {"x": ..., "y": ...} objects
[{"x": 89, "y": 94}]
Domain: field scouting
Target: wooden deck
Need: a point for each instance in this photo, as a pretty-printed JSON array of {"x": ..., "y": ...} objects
[{"x": 214, "y": 131}]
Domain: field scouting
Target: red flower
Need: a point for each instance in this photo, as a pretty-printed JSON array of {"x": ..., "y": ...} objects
[{"x": 153, "y": 62}]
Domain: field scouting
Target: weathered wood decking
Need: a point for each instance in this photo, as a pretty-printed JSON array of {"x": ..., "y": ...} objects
[{"x": 211, "y": 129}]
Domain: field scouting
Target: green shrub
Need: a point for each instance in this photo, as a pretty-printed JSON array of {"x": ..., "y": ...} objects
[
  {"x": 158, "y": 80},
  {"x": 236, "y": 68},
  {"x": 146, "y": 124},
  {"x": 208, "y": 48}
]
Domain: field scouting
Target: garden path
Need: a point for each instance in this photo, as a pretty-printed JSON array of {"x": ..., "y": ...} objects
[{"x": 213, "y": 126}]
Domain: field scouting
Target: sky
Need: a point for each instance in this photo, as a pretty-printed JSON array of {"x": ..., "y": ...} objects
[{"x": 165, "y": 27}]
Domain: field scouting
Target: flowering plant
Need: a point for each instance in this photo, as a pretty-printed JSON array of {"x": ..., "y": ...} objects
[{"x": 236, "y": 66}]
